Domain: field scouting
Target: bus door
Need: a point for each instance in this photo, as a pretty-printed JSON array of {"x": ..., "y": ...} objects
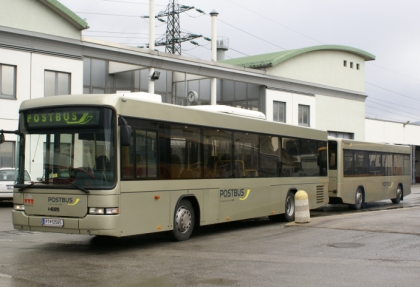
[{"x": 332, "y": 164}]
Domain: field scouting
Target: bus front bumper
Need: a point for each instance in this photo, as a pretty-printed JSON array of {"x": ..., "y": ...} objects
[{"x": 90, "y": 224}]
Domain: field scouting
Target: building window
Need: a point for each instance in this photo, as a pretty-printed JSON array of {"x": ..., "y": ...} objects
[
  {"x": 7, "y": 82},
  {"x": 56, "y": 83},
  {"x": 95, "y": 77},
  {"x": 345, "y": 63},
  {"x": 341, "y": 135},
  {"x": 303, "y": 115},
  {"x": 357, "y": 66},
  {"x": 351, "y": 65},
  {"x": 7, "y": 154},
  {"x": 279, "y": 111}
]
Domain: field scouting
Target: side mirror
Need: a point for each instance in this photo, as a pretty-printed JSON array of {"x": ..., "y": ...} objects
[
  {"x": 2, "y": 137},
  {"x": 125, "y": 135},
  {"x": 125, "y": 132}
]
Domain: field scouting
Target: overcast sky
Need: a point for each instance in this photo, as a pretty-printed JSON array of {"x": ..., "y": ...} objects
[{"x": 388, "y": 29}]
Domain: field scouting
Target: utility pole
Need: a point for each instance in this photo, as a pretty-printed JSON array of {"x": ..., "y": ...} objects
[{"x": 173, "y": 37}]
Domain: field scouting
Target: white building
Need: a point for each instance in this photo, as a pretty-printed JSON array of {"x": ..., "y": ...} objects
[
  {"x": 42, "y": 54},
  {"x": 336, "y": 100}
]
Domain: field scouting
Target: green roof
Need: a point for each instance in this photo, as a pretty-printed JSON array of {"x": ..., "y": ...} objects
[
  {"x": 66, "y": 13},
  {"x": 273, "y": 59}
]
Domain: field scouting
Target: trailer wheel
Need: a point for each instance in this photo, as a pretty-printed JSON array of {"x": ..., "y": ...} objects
[
  {"x": 359, "y": 202},
  {"x": 398, "y": 195},
  {"x": 184, "y": 220}
]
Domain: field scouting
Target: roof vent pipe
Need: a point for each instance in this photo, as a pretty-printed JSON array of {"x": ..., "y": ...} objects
[
  {"x": 213, "y": 83},
  {"x": 222, "y": 47}
]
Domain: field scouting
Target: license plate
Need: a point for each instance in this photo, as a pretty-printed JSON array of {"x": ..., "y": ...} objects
[
  {"x": 9, "y": 186},
  {"x": 52, "y": 222}
]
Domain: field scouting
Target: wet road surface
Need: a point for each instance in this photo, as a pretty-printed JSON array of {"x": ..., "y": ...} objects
[{"x": 377, "y": 246}]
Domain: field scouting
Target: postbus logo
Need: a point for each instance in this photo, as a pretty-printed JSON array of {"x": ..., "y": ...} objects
[
  {"x": 235, "y": 193},
  {"x": 70, "y": 118},
  {"x": 61, "y": 200}
]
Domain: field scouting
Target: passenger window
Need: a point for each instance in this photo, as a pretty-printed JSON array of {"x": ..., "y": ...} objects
[{"x": 269, "y": 156}]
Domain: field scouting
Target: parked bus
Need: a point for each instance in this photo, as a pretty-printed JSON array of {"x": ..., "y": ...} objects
[
  {"x": 119, "y": 165},
  {"x": 362, "y": 172}
]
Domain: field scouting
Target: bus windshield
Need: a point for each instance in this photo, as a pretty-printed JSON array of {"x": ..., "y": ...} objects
[{"x": 70, "y": 147}]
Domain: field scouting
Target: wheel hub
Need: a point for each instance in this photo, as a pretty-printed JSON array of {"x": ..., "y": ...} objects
[
  {"x": 183, "y": 219},
  {"x": 289, "y": 206}
]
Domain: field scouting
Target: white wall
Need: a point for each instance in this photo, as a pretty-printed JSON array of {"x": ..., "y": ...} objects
[
  {"x": 292, "y": 104},
  {"x": 32, "y": 15},
  {"x": 392, "y": 132},
  {"x": 325, "y": 68},
  {"x": 40, "y": 63},
  {"x": 9, "y": 108},
  {"x": 341, "y": 115}
]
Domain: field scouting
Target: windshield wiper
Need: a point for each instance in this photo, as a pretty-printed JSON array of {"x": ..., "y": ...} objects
[
  {"x": 23, "y": 187},
  {"x": 72, "y": 183}
]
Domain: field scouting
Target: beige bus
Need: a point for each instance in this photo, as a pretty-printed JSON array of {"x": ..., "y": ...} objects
[
  {"x": 119, "y": 165},
  {"x": 362, "y": 172}
]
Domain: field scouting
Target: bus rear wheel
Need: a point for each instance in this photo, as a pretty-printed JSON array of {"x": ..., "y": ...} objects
[
  {"x": 289, "y": 209},
  {"x": 184, "y": 220},
  {"x": 398, "y": 197}
]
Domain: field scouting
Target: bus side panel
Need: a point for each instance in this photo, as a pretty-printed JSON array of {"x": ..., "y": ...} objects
[
  {"x": 141, "y": 212},
  {"x": 246, "y": 201},
  {"x": 406, "y": 182},
  {"x": 317, "y": 193},
  {"x": 346, "y": 189},
  {"x": 375, "y": 189},
  {"x": 277, "y": 198},
  {"x": 210, "y": 208}
]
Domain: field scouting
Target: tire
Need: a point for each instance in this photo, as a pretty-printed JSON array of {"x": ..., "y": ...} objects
[
  {"x": 289, "y": 208},
  {"x": 184, "y": 220},
  {"x": 398, "y": 195},
  {"x": 359, "y": 202}
]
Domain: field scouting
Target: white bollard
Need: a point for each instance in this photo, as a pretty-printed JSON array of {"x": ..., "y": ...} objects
[{"x": 302, "y": 207}]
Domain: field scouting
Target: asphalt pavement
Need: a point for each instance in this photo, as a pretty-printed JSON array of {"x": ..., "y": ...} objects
[{"x": 376, "y": 246}]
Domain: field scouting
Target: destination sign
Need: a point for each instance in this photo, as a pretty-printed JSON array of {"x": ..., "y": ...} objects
[{"x": 62, "y": 117}]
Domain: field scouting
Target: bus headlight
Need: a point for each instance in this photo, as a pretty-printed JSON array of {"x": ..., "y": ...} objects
[
  {"x": 19, "y": 207},
  {"x": 101, "y": 210}
]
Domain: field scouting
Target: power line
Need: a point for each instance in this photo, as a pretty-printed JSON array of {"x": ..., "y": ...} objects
[
  {"x": 127, "y": 2},
  {"x": 417, "y": 119},
  {"x": 392, "y": 91},
  {"x": 104, "y": 36},
  {"x": 117, "y": 32},
  {"x": 395, "y": 72},
  {"x": 370, "y": 98},
  {"x": 103, "y": 14},
  {"x": 376, "y": 116},
  {"x": 275, "y": 22},
  {"x": 250, "y": 34},
  {"x": 395, "y": 109}
]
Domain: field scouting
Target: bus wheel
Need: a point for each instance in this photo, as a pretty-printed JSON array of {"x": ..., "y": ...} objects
[
  {"x": 184, "y": 220},
  {"x": 289, "y": 211},
  {"x": 358, "y": 200},
  {"x": 398, "y": 197}
]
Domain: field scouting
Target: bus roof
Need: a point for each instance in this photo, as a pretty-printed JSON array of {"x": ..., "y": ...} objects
[
  {"x": 131, "y": 106},
  {"x": 371, "y": 146}
]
